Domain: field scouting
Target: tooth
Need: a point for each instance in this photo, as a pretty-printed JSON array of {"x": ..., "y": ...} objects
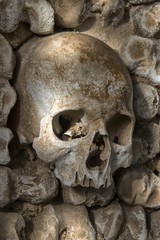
[
  {"x": 91, "y": 183},
  {"x": 77, "y": 181},
  {"x": 85, "y": 181}
]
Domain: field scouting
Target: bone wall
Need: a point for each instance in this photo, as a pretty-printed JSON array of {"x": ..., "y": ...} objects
[{"x": 33, "y": 203}]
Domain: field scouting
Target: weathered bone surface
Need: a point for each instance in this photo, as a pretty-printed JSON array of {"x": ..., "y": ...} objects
[
  {"x": 112, "y": 12},
  {"x": 108, "y": 221},
  {"x": 5, "y": 137},
  {"x": 87, "y": 195},
  {"x": 41, "y": 16},
  {"x": 46, "y": 225},
  {"x": 63, "y": 221},
  {"x": 146, "y": 101},
  {"x": 139, "y": 55},
  {"x": 149, "y": 133},
  {"x": 10, "y": 13},
  {"x": 69, "y": 13},
  {"x": 7, "y": 59},
  {"x": 135, "y": 226},
  {"x": 19, "y": 36},
  {"x": 92, "y": 108},
  {"x": 140, "y": 1},
  {"x": 74, "y": 222},
  {"x": 7, "y": 100},
  {"x": 154, "y": 233},
  {"x": 111, "y": 35},
  {"x": 146, "y": 20},
  {"x": 36, "y": 189},
  {"x": 12, "y": 226},
  {"x": 139, "y": 186}
]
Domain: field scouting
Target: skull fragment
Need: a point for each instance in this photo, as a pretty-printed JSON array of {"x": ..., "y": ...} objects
[{"x": 76, "y": 107}]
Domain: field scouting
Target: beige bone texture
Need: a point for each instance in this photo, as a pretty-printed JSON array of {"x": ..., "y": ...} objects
[
  {"x": 5, "y": 137},
  {"x": 135, "y": 224},
  {"x": 139, "y": 186},
  {"x": 146, "y": 101},
  {"x": 35, "y": 189},
  {"x": 88, "y": 196},
  {"x": 41, "y": 16},
  {"x": 7, "y": 100},
  {"x": 10, "y": 14},
  {"x": 69, "y": 13},
  {"x": 146, "y": 20},
  {"x": 154, "y": 233},
  {"x": 7, "y": 59},
  {"x": 108, "y": 221},
  {"x": 12, "y": 226},
  {"x": 140, "y": 1},
  {"x": 140, "y": 57},
  {"x": 63, "y": 221}
]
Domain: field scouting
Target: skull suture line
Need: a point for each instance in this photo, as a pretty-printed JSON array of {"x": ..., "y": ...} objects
[{"x": 76, "y": 107}]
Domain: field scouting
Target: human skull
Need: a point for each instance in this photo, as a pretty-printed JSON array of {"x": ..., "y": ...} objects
[{"x": 76, "y": 107}]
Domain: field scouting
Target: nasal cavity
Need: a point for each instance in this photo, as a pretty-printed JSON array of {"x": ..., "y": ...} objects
[{"x": 94, "y": 160}]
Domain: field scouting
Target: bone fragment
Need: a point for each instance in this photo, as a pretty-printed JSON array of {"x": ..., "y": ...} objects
[
  {"x": 139, "y": 186},
  {"x": 154, "y": 233},
  {"x": 146, "y": 20},
  {"x": 108, "y": 220},
  {"x": 88, "y": 196},
  {"x": 7, "y": 100},
  {"x": 146, "y": 101},
  {"x": 69, "y": 13},
  {"x": 41, "y": 16},
  {"x": 12, "y": 226},
  {"x": 7, "y": 59},
  {"x": 10, "y": 13},
  {"x": 34, "y": 189},
  {"x": 135, "y": 225},
  {"x": 139, "y": 55},
  {"x": 74, "y": 222},
  {"x": 5, "y": 137},
  {"x": 46, "y": 225}
]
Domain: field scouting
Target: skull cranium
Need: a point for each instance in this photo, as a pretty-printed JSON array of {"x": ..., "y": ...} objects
[{"x": 76, "y": 107}]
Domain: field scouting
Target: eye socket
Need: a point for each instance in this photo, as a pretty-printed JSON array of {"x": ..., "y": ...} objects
[
  {"x": 67, "y": 125},
  {"x": 119, "y": 129}
]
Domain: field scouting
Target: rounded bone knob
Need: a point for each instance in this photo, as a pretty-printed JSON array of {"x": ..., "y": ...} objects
[{"x": 35, "y": 189}]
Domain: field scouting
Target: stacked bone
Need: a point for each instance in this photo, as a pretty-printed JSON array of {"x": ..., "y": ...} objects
[{"x": 29, "y": 187}]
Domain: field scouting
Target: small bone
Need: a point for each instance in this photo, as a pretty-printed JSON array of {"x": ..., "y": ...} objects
[
  {"x": 139, "y": 186},
  {"x": 35, "y": 189},
  {"x": 149, "y": 133},
  {"x": 146, "y": 20},
  {"x": 12, "y": 226},
  {"x": 7, "y": 59},
  {"x": 140, "y": 57},
  {"x": 74, "y": 222},
  {"x": 154, "y": 233},
  {"x": 7, "y": 100},
  {"x": 77, "y": 131},
  {"x": 5, "y": 138},
  {"x": 135, "y": 226},
  {"x": 146, "y": 101},
  {"x": 112, "y": 12},
  {"x": 108, "y": 220},
  {"x": 10, "y": 13},
  {"x": 69, "y": 13},
  {"x": 41, "y": 16},
  {"x": 21, "y": 34},
  {"x": 46, "y": 225},
  {"x": 88, "y": 196},
  {"x": 140, "y": 1}
]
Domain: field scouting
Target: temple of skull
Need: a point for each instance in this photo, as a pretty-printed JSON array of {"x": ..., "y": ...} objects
[{"x": 80, "y": 120}]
